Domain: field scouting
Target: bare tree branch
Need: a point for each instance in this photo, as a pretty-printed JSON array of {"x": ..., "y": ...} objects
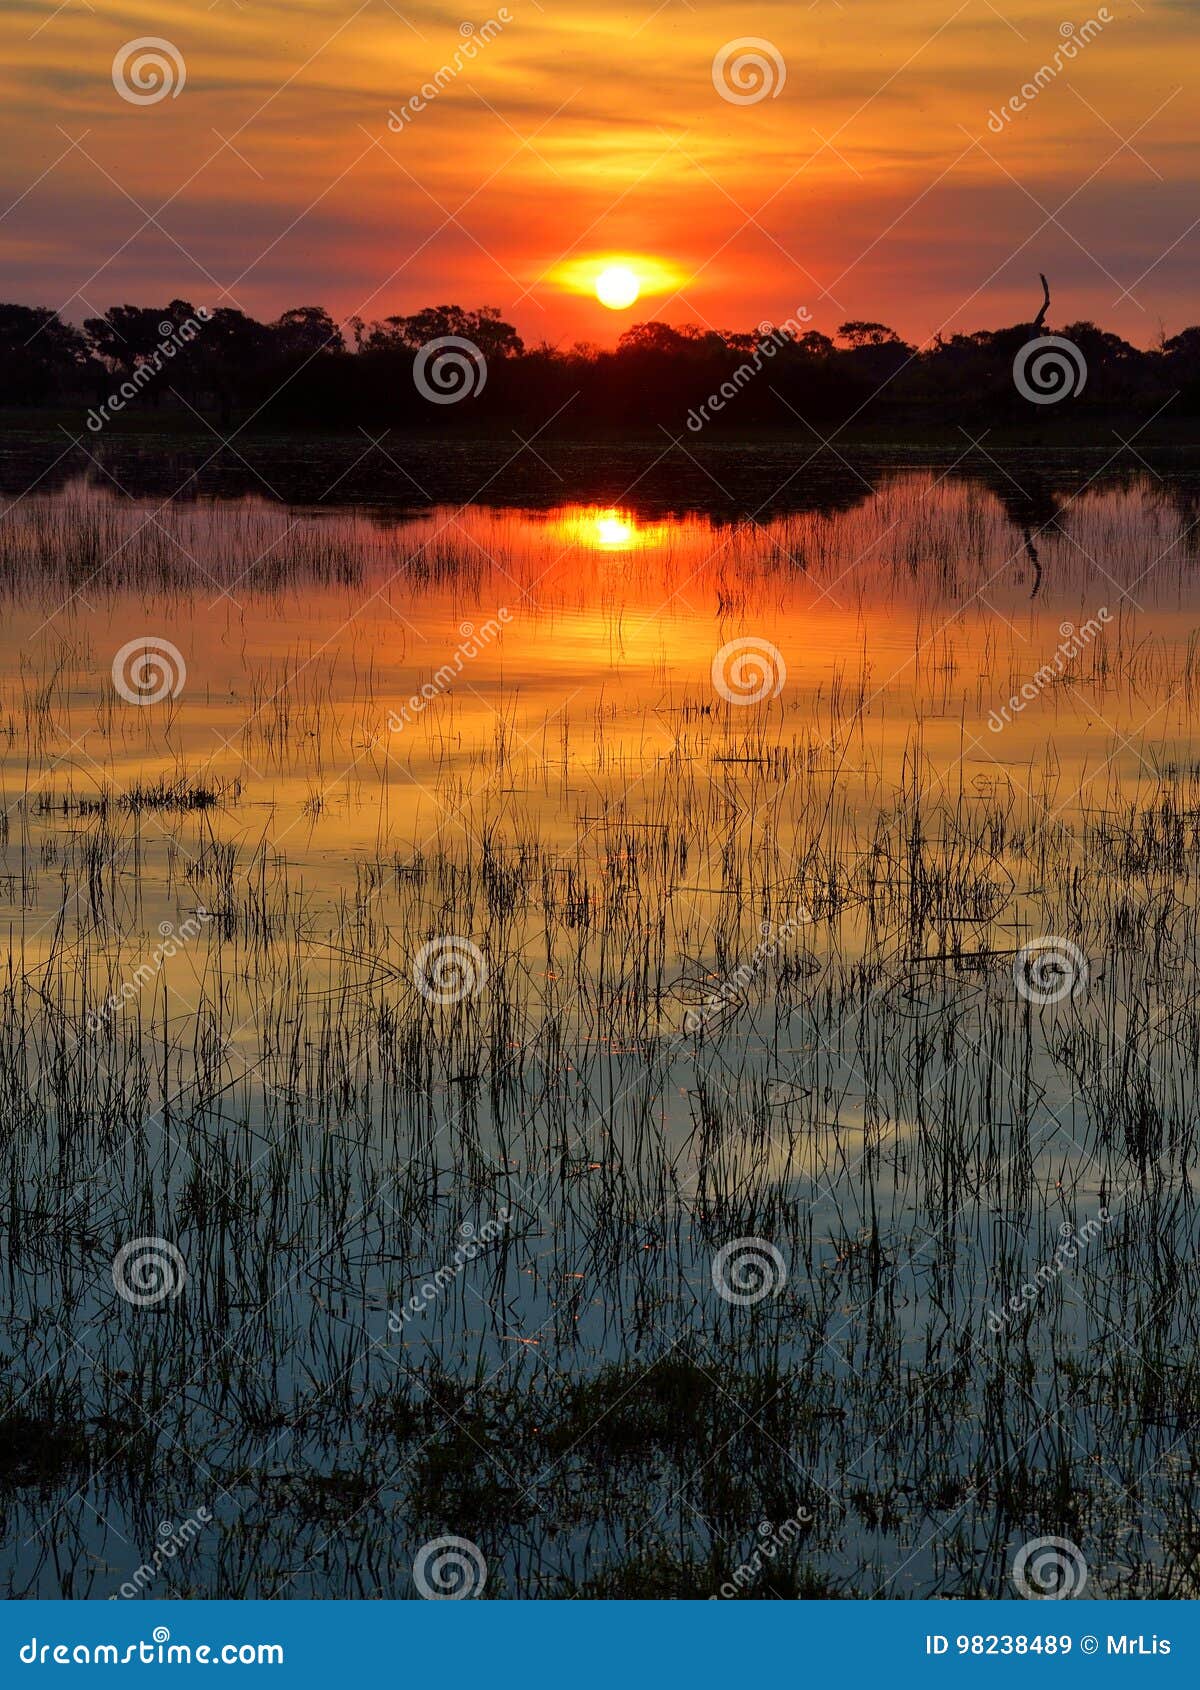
[{"x": 1040, "y": 319}]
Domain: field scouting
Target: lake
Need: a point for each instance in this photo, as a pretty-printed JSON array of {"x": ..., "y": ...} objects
[{"x": 595, "y": 1048}]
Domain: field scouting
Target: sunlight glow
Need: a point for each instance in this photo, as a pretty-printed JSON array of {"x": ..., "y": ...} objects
[
  {"x": 607, "y": 529},
  {"x": 619, "y": 279},
  {"x": 617, "y": 287},
  {"x": 613, "y": 530}
]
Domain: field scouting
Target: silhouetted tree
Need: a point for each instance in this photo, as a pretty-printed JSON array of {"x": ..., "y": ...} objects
[
  {"x": 1039, "y": 322},
  {"x": 857, "y": 334},
  {"x": 484, "y": 328},
  {"x": 40, "y": 355},
  {"x": 229, "y": 357},
  {"x": 305, "y": 331},
  {"x": 299, "y": 370}
]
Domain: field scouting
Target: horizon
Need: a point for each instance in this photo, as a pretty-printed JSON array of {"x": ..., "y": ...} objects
[
  {"x": 631, "y": 321},
  {"x": 856, "y": 165}
]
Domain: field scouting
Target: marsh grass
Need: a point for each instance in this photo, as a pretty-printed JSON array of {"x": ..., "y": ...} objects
[{"x": 283, "y": 1103}]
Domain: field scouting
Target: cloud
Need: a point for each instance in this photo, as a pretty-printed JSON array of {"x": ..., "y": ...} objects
[{"x": 862, "y": 168}]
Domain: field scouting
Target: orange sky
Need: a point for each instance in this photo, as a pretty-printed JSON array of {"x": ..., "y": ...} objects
[{"x": 868, "y": 183}]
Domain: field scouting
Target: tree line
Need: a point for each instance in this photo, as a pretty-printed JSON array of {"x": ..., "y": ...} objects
[{"x": 305, "y": 369}]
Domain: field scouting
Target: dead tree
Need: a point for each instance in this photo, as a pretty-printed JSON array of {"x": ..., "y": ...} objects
[
  {"x": 1039, "y": 321},
  {"x": 1036, "y": 508}
]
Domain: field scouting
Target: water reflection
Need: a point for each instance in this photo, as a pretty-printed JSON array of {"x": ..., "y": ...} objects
[
  {"x": 525, "y": 741},
  {"x": 607, "y": 528}
]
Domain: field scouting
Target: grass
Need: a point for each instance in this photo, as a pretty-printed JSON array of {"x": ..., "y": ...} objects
[{"x": 877, "y": 1100}]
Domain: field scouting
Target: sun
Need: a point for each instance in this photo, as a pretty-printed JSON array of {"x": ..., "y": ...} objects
[
  {"x": 618, "y": 279},
  {"x": 617, "y": 287}
]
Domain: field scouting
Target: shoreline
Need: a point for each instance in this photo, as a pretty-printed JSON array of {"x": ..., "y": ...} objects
[{"x": 718, "y": 475}]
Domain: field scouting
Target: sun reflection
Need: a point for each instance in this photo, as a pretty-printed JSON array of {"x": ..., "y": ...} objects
[
  {"x": 608, "y": 529},
  {"x": 613, "y": 530}
]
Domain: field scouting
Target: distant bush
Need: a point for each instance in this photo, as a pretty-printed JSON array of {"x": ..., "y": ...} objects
[{"x": 306, "y": 369}]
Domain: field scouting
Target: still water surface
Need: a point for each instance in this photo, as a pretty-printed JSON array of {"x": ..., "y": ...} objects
[{"x": 729, "y": 837}]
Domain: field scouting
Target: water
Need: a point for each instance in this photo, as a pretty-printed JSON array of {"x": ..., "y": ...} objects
[{"x": 442, "y": 933}]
